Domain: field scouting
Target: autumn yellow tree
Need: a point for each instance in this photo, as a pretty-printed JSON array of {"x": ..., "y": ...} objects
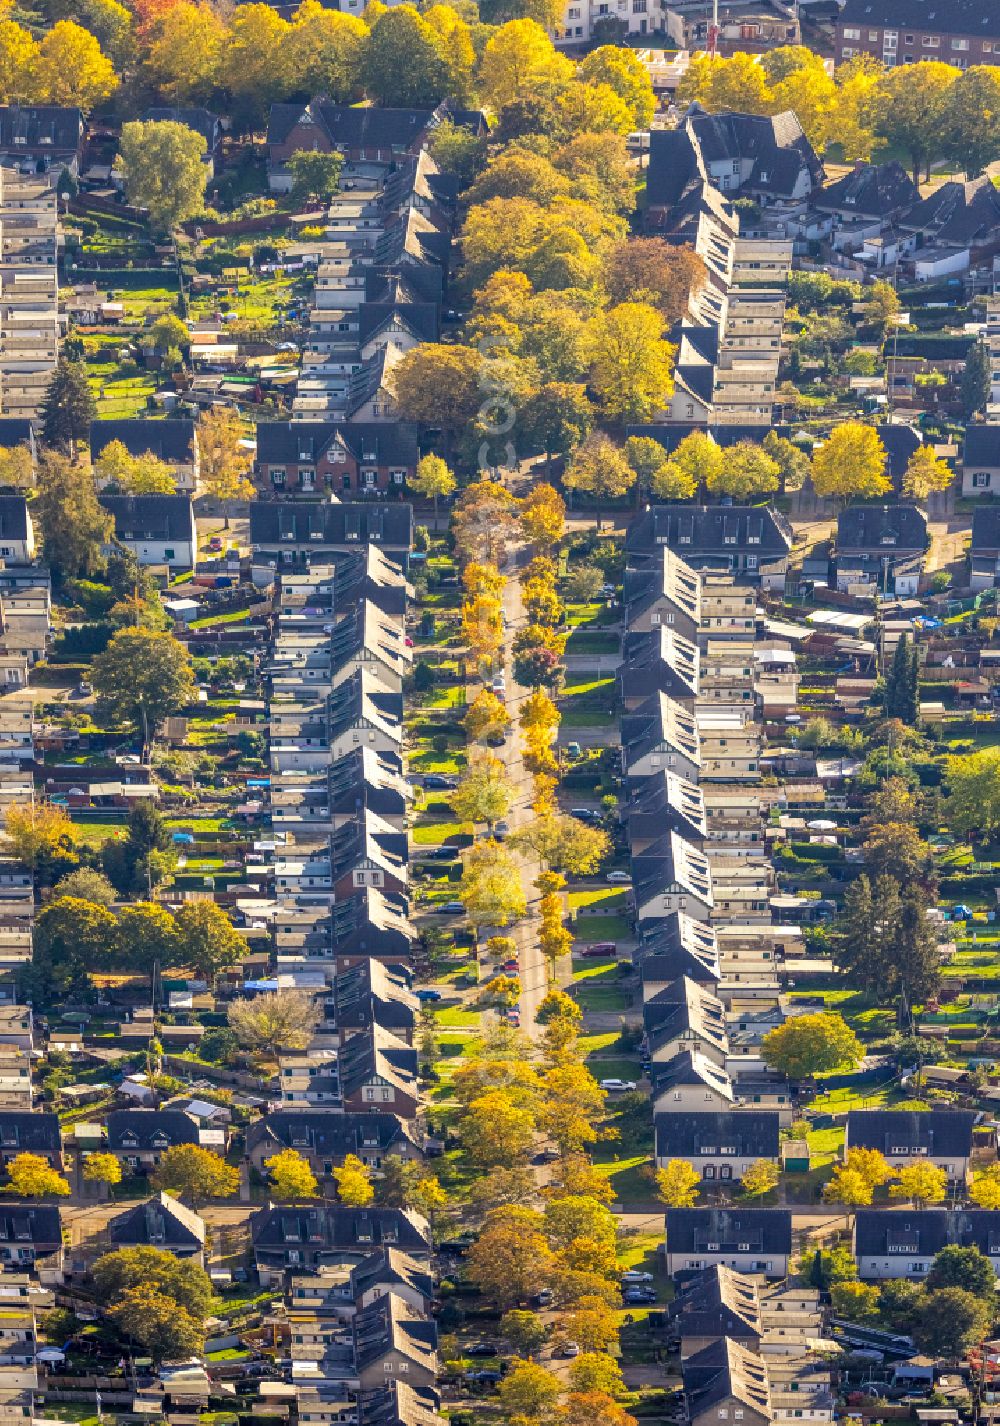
[
  {"x": 677, "y": 1184},
  {"x": 72, "y": 69},
  {"x": 291, "y": 1176},
  {"x": 632, "y": 369},
  {"x": 36, "y": 832},
  {"x": 353, "y": 1179},
  {"x": 432, "y": 479},
  {"x": 483, "y": 579},
  {"x": 486, "y": 717},
  {"x": 543, "y": 514},
  {"x": 226, "y": 459},
  {"x": 484, "y": 793},
  {"x": 482, "y": 627},
  {"x": 851, "y": 463},
  {"x": 926, "y": 472},
  {"x": 32, "y": 1176},
  {"x": 921, "y": 1183}
]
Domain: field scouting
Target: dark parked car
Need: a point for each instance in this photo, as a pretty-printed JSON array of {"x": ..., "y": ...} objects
[
  {"x": 599, "y": 948},
  {"x": 482, "y": 1349},
  {"x": 438, "y": 780}
]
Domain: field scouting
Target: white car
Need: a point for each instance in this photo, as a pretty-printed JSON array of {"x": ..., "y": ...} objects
[
  {"x": 619, "y": 878},
  {"x": 633, "y": 1276},
  {"x": 617, "y": 1086},
  {"x": 570, "y": 1349}
]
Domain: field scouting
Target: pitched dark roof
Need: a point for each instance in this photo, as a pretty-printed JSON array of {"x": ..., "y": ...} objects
[
  {"x": 924, "y": 1232},
  {"x": 870, "y": 189},
  {"x": 672, "y": 164},
  {"x": 881, "y": 527},
  {"x": 775, "y": 145},
  {"x": 338, "y": 1226},
  {"x": 13, "y": 517},
  {"x": 15, "y": 432},
  {"x": 148, "y": 1129},
  {"x": 422, "y": 319},
  {"x": 724, "y": 1370},
  {"x": 327, "y": 1134},
  {"x": 766, "y": 1230},
  {"x": 678, "y": 932},
  {"x": 35, "y": 1132},
  {"x": 35, "y": 1223},
  {"x": 203, "y": 121},
  {"x": 151, "y": 517},
  {"x": 718, "y": 1303},
  {"x": 367, "y": 994},
  {"x": 299, "y": 442},
  {"x": 160, "y": 1222},
  {"x": 982, "y": 444},
  {"x": 169, "y": 440},
  {"x": 895, "y": 1132},
  {"x": 350, "y": 790},
  {"x": 399, "y": 1404},
  {"x": 37, "y": 124},
  {"x": 670, "y": 437},
  {"x": 351, "y": 126},
  {"x": 662, "y": 969},
  {"x": 718, "y": 531},
  {"x": 350, "y": 525},
  {"x": 957, "y": 214},
  {"x": 746, "y": 1133},
  {"x": 958, "y": 17},
  {"x": 986, "y": 529},
  {"x": 900, "y": 441}
]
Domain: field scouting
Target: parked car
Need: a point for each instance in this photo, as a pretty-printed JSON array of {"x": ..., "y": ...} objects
[
  {"x": 450, "y": 908},
  {"x": 544, "y": 1298},
  {"x": 501, "y": 831},
  {"x": 510, "y": 967},
  {"x": 499, "y": 685},
  {"x": 634, "y": 1276},
  {"x": 598, "y": 949},
  {"x": 547, "y": 1156},
  {"x": 635, "y": 1296},
  {"x": 574, "y": 750},
  {"x": 436, "y": 854},
  {"x": 619, "y": 878},
  {"x": 428, "y": 994},
  {"x": 482, "y": 1349},
  {"x": 585, "y": 814},
  {"x": 570, "y": 1349},
  {"x": 438, "y": 780},
  {"x": 617, "y": 1086}
]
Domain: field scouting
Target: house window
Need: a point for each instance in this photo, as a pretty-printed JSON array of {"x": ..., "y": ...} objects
[
  {"x": 960, "y": 44},
  {"x": 872, "y": 36},
  {"x": 981, "y": 479},
  {"x": 398, "y": 476},
  {"x": 908, "y": 39},
  {"x": 850, "y": 34},
  {"x": 931, "y": 42},
  {"x": 277, "y": 475},
  {"x": 168, "y": 554}
]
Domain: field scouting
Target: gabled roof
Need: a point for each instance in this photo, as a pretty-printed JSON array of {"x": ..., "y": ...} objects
[
  {"x": 722, "y": 1371},
  {"x": 36, "y": 1132},
  {"x": 668, "y": 862},
  {"x": 13, "y": 517},
  {"x": 774, "y": 145},
  {"x": 892, "y": 528},
  {"x": 982, "y": 444},
  {"x": 160, "y": 1222},
  {"x": 151, "y": 517},
  {"x": 895, "y": 1132},
  {"x": 660, "y": 722},
  {"x": 922, "y": 1233},
  {"x": 169, "y": 440},
  {"x": 766, "y": 1230},
  {"x": 328, "y": 1134},
  {"x": 747, "y": 1133},
  {"x": 685, "y": 1007},
  {"x": 718, "y": 1303},
  {"x": 316, "y": 524},
  {"x": 350, "y": 125},
  {"x": 679, "y": 933},
  {"x": 956, "y": 214},
  {"x": 399, "y": 1404},
  {"x": 335, "y": 1225},
  {"x": 38, "y": 124},
  {"x": 377, "y": 1053},
  {"x": 368, "y": 993},
  {"x": 658, "y": 661},
  {"x": 697, "y": 531},
  {"x": 148, "y": 1129},
  {"x": 986, "y": 529},
  {"x": 958, "y": 17},
  {"x": 388, "y": 1266},
  {"x": 390, "y": 1324},
  {"x": 870, "y": 190},
  {"x": 666, "y": 801},
  {"x": 36, "y": 1223},
  {"x": 203, "y": 121},
  {"x": 690, "y": 1068},
  {"x": 900, "y": 442}
]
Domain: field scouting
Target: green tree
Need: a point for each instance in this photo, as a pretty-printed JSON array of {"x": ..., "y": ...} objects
[
  {"x": 529, "y": 1392},
  {"x": 162, "y": 164},
  {"x": 85, "y": 884},
  {"x": 510, "y": 1261},
  {"x": 857, "y": 1301},
  {"x": 812, "y": 1044},
  {"x": 185, "y": 1283},
  {"x": 209, "y": 942},
  {"x": 951, "y": 1321},
  {"x": 196, "y": 1173},
  {"x": 971, "y": 137},
  {"x": 146, "y": 857},
  {"x": 146, "y": 938},
  {"x": 282, "y": 1019},
  {"x": 67, "y": 411},
  {"x": 645, "y": 456},
  {"x": 901, "y": 684},
  {"x": 157, "y": 1323},
  {"x": 908, "y": 107},
  {"x": 967, "y": 1268},
  {"x": 882, "y": 306},
  {"x": 976, "y": 380},
  {"x": 972, "y": 807},
  {"x": 557, "y": 418},
  {"x": 71, "y": 939},
  {"x": 315, "y": 175},
  {"x": 524, "y": 1332},
  {"x": 793, "y": 463},
  {"x": 404, "y": 62},
  {"x": 624, "y": 72},
  {"x": 490, "y": 889},
  {"x": 141, "y": 677}
]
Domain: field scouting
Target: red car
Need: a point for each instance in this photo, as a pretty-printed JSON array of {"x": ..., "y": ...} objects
[
  {"x": 511, "y": 967},
  {"x": 599, "y": 948}
]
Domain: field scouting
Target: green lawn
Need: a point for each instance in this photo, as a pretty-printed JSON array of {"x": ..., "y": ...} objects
[
  {"x": 611, "y": 900},
  {"x": 629, "y": 1177},
  {"x": 434, "y": 834},
  {"x": 599, "y": 997},
  {"x": 600, "y": 928},
  {"x": 456, "y": 1017}
]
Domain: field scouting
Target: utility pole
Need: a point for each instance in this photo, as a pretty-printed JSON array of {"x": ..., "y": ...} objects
[{"x": 713, "y": 32}]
